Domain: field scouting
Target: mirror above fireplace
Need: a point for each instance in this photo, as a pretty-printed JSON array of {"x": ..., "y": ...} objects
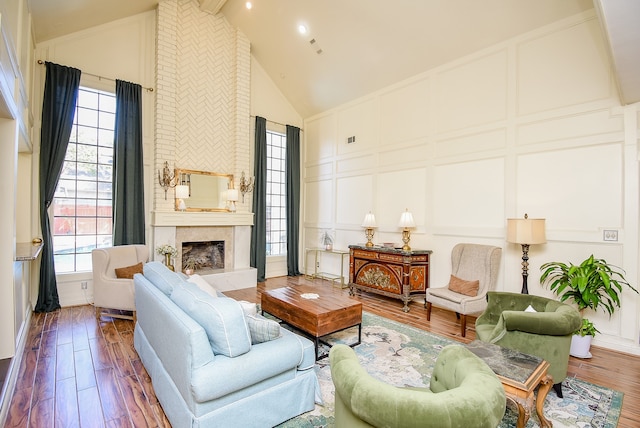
[{"x": 207, "y": 190}]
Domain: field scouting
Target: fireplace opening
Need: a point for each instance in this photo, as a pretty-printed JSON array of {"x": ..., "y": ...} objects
[{"x": 203, "y": 256}]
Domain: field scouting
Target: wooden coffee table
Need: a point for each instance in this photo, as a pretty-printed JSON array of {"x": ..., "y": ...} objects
[
  {"x": 317, "y": 317},
  {"x": 520, "y": 374}
]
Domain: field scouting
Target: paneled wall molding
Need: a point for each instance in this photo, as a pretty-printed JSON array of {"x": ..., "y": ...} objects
[{"x": 531, "y": 125}]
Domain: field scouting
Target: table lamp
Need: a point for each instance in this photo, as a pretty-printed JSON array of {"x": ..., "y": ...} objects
[
  {"x": 182, "y": 193},
  {"x": 406, "y": 223},
  {"x": 369, "y": 223},
  {"x": 526, "y": 231},
  {"x": 232, "y": 197}
]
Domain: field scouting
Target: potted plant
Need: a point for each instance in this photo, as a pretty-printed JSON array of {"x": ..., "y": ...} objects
[
  {"x": 592, "y": 284},
  {"x": 326, "y": 239},
  {"x": 167, "y": 251}
]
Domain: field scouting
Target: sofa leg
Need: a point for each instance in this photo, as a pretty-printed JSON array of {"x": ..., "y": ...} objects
[
  {"x": 557, "y": 387},
  {"x": 463, "y": 325},
  {"x": 135, "y": 318},
  {"x": 428, "y": 311}
]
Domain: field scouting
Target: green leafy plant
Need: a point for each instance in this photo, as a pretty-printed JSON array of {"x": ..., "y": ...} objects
[
  {"x": 592, "y": 284},
  {"x": 587, "y": 328}
]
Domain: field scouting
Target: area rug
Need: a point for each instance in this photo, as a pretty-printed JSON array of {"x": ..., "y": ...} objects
[{"x": 402, "y": 355}]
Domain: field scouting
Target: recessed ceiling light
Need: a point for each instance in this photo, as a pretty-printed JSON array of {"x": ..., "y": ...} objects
[
  {"x": 302, "y": 29},
  {"x": 248, "y": 5}
]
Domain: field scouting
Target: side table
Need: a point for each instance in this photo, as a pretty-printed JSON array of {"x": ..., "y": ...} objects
[
  {"x": 520, "y": 374},
  {"x": 326, "y": 275}
]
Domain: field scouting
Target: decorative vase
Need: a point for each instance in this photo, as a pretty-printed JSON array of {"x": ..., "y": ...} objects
[
  {"x": 328, "y": 247},
  {"x": 188, "y": 272},
  {"x": 580, "y": 346},
  {"x": 167, "y": 261}
]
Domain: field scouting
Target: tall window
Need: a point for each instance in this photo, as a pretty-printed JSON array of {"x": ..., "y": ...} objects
[
  {"x": 82, "y": 205},
  {"x": 276, "y": 194}
]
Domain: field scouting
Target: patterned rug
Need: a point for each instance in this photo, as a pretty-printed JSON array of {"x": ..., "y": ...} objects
[{"x": 404, "y": 356}]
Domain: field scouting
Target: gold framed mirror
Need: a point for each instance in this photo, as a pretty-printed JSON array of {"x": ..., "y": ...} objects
[{"x": 207, "y": 190}]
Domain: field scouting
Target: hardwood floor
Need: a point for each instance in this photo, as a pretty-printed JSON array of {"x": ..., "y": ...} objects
[{"x": 77, "y": 372}]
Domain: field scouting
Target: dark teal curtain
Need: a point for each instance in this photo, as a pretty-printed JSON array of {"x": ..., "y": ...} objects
[
  {"x": 293, "y": 199},
  {"x": 128, "y": 174},
  {"x": 258, "y": 257},
  {"x": 58, "y": 108}
]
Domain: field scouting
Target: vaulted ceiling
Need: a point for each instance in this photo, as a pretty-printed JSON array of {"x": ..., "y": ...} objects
[{"x": 354, "y": 47}]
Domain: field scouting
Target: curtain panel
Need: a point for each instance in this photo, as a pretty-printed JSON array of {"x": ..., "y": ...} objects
[
  {"x": 128, "y": 167},
  {"x": 258, "y": 257},
  {"x": 58, "y": 109},
  {"x": 293, "y": 200}
]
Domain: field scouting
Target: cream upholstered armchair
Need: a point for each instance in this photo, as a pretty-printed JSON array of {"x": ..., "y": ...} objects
[
  {"x": 114, "y": 290},
  {"x": 474, "y": 271}
]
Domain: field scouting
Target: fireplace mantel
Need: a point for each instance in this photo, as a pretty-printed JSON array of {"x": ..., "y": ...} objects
[{"x": 178, "y": 218}]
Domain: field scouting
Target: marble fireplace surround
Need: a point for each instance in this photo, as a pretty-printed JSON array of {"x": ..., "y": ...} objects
[{"x": 233, "y": 228}]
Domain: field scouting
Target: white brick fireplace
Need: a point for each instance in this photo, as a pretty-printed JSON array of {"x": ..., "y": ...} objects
[{"x": 233, "y": 228}]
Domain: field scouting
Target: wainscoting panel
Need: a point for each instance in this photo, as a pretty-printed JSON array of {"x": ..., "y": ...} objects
[
  {"x": 404, "y": 112},
  {"x": 353, "y": 121},
  {"x": 398, "y": 191},
  {"x": 469, "y": 193},
  {"x": 321, "y": 130},
  {"x": 473, "y": 93},
  {"x": 319, "y": 201},
  {"x": 574, "y": 126},
  {"x": 354, "y": 198},
  {"x": 584, "y": 200},
  {"x": 559, "y": 69},
  {"x": 474, "y": 143},
  {"x": 366, "y": 162}
]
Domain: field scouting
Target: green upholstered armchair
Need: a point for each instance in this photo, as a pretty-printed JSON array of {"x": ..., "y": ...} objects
[
  {"x": 463, "y": 392},
  {"x": 545, "y": 333}
]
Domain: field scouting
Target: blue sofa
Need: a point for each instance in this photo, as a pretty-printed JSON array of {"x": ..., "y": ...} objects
[{"x": 204, "y": 361}]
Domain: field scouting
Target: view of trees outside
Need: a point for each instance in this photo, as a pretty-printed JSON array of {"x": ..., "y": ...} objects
[{"x": 82, "y": 206}]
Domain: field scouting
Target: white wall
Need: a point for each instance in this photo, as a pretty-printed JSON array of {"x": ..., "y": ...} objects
[{"x": 532, "y": 125}]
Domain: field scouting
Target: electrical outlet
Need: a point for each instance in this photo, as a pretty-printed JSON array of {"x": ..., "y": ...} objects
[
  {"x": 610, "y": 235},
  {"x": 83, "y": 284},
  {"x": 318, "y": 264}
]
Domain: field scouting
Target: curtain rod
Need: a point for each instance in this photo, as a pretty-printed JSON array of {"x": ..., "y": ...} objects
[
  {"x": 41, "y": 62},
  {"x": 276, "y": 123}
]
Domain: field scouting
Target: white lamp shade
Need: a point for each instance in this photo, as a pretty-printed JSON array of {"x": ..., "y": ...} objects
[
  {"x": 526, "y": 230},
  {"x": 182, "y": 191},
  {"x": 369, "y": 221},
  {"x": 232, "y": 195},
  {"x": 406, "y": 220}
]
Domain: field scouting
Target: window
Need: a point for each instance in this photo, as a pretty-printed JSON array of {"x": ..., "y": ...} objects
[
  {"x": 276, "y": 194},
  {"x": 82, "y": 206}
]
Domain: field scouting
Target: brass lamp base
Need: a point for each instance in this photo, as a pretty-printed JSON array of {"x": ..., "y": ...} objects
[
  {"x": 406, "y": 237},
  {"x": 369, "y": 234}
]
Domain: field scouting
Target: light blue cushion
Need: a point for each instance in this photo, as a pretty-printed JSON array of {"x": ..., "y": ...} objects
[
  {"x": 221, "y": 317},
  {"x": 163, "y": 278},
  {"x": 262, "y": 329}
]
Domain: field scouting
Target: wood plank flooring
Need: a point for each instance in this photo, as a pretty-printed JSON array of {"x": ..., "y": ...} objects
[{"x": 77, "y": 372}]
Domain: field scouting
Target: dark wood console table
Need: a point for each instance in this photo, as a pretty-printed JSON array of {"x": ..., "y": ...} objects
[{"x": 388, "y": 271}]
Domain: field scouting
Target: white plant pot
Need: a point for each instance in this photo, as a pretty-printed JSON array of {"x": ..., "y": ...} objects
[{"x": 580, "y": 346}]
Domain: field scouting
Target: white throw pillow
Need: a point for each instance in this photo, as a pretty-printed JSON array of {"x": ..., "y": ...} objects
[
  {"x": 248, "y": 307},
  {"x": 203, "y": 284},
  {"x": 530, "y": 309}
]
